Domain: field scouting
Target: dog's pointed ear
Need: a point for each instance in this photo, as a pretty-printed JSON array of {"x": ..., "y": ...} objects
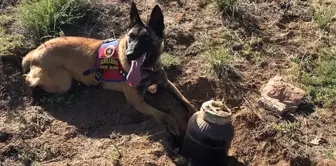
[
  {"x": 156, "y": 21},
  {"x": 134, "y": 15}
]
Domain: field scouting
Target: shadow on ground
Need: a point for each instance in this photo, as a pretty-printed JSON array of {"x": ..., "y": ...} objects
[{"x": 98, "y": 113}]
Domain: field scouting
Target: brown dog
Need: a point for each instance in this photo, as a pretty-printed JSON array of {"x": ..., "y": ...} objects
[{"x": 129, "y": 64}]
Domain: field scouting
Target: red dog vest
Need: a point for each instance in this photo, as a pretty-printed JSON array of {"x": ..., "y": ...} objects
[
  {"x": 107, "y": 60},
  {"x": 107, "y": 65}
]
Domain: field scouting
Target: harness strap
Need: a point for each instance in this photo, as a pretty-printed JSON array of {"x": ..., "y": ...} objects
[
  {"x": 91, "y": 71},
  {"x": 98, "y": 73}
]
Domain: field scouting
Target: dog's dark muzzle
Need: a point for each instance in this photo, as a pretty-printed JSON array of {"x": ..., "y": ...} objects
[
  {"x": 134, "y": 54},
  {"x": 130, "y": 55}
]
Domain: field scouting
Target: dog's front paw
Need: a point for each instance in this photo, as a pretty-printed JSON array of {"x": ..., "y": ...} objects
[{"x": 171, "y": 124}]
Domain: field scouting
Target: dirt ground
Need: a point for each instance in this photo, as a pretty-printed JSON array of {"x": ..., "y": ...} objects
[{"x": 90, "y": 126}]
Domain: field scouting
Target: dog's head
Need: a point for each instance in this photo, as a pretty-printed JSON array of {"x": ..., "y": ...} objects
[{"x": 144, "y": 42}]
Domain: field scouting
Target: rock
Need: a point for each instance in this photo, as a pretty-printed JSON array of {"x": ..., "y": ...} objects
[
  {"x": 237, "y": 47},
  {"x": 332, "y": 29},
  {"x": 280, "y": 96},
  {"x": 4, "y": 136}
]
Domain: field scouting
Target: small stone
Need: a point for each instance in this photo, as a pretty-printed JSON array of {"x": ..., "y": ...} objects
[
  {"x": 263, "y": 64},
  {"x": 4, "y": 136},
  {"x": 290, "y": 34},
  {"x": 115, "y": 163},
  {"x": 237, "y": 47}
]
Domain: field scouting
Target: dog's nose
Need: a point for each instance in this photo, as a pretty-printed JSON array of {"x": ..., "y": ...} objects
[{"x": 129, "y": 55}]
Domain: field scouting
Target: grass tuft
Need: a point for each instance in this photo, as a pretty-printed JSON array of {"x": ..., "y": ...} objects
[
  {"x": 180, "y": 160},
  {"x": 324, "y": 16},
  {"x": 225, "y": 5},
  {"x": 6, "y": 19},
  {"x": 219, "y": 60},
  {"x": 45, "y": 18},
  {"x": 170, "y": 61},
  {"x": 221, "y": 5},
  {"x": 329, "y": 155},
  {"x": 203, "y": 3},
  {"x": 321, "y": 82},
  {"x": 11, "y": 44},
  {"x": 286, "y": 127}
]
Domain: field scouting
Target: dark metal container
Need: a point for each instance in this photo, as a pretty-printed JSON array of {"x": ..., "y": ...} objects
[{"x": 208, "y": 136}]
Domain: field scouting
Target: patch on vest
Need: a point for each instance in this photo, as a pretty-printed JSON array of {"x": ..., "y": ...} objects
[{"x": 107, "y": 60}]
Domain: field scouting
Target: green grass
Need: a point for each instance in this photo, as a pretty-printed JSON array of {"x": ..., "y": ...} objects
[
  {"x": 219, "y": 60},
  {"x": 203, "y": 3},
  {"x": 11, "y": 43},
  {"x": 321, "y": 81},
  {"x": 225, "y": 5},
  {"x": 115, "y": 154},
  {"x": 8, "y": 42},
  {"x": 221, "y": 5},
  {"x": 324, "y": 16},
  {"x": 169, "y": 61},
  {"x": 329, "y": 155},
  {"x": 251, "y": 52},
  {"x": 286, "y": 127},
  {"x": 45, "y": 18},
  {"x": 180, "y": 160},
  {"x": 35, "y": 163},
  {"x": 6, "y": 19}
]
